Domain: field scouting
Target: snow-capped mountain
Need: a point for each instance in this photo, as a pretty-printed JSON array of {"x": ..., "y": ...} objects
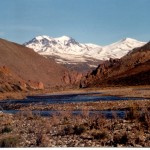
[
  {"x": 66, "y": 50},
  {"x": 121, "y": 48}
]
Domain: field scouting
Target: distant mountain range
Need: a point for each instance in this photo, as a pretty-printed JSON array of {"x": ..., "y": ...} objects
[
  {"x": 21, "y": 68},
  {"x": 68, "y": 51}
]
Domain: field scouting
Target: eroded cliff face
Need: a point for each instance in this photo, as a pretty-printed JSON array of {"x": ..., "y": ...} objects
[
  {"x": 72, "y": 78},
  {"x": 11, "y": 82},
  {"x": 132, "y": 69}
]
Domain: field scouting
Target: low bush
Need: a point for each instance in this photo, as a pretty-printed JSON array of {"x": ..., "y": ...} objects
[
  {"x": 42, "y": 140},
  {"x": 132, "y": 114},
  {"x": 78, "y": 130},
  {"x": 6, "y": 130},
  {"x": 68, "y": 130},
  {"x": 120, "y": 139},
  {"x": 99, "y": 134},
  {"x": 145, "y": 119},
  {"x": 9, "y": 142}
]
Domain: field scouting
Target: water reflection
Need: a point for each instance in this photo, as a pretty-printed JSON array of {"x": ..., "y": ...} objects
[
  {"x": 49, "y": 113},
  {"x": 68, "y": 98}
]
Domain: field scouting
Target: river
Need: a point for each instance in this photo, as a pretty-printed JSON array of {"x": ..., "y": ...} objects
[{"x": 68, "y": 98}]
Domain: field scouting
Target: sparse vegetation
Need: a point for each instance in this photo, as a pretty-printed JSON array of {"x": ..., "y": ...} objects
[
  {"x": 97, "y": 134},
  {"x": 6, "y": 130},
  {"x": 9, "y": 142},
  {"x": 65, "y": 129},
  {"x": 58, "y": 130},
  {"x": 78, "y": 130},
  {"x": 121, "y": 138}
]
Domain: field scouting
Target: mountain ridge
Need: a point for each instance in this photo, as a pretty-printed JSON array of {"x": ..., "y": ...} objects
[
  {"x": 132, "y": 69},
  {"x": 29, "y": 65},
  {"x": 66, "y": 50}
]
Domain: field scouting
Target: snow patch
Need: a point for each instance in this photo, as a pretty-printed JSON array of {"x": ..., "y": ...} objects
[{"x": 68, "y": 50}]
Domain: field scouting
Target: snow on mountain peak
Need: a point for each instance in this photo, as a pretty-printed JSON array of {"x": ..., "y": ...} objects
[
  {"x": 129, "y": 40},
  {"x": 66, "y": 40},
  {"x": 92, "y": 45},
  {"x": 63, "y": 38},
  {"x": 42, "y": 37},
  {"x": 68, "y": 50}
]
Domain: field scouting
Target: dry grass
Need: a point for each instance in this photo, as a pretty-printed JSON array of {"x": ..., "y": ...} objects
[
  {"x": 65, "y": 129},
  {"x": 9, "y": 141},
  {"x": 107, "y": 132}
]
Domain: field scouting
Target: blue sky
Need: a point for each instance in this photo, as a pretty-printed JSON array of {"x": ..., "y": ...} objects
[{"x": 96, "y": 21}]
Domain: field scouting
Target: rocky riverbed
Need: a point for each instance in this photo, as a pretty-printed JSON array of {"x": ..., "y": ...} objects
[
  {"x": 25, "y": 129},
  {"x": 66, "y": 130}
]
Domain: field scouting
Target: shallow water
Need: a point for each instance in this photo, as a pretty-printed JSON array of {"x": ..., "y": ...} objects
[
  {"x": 67, "y": 98},
  {"x": 47, "y": 113}
]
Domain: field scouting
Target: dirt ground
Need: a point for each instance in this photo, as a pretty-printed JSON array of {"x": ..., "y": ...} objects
[
  {"x": 131, "y": 91},
  {"x": 142, "y": 92},
  {"x": 66, "y": 130}
]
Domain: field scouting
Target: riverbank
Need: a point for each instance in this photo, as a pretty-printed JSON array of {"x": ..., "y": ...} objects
[
  {"x": 142, "y": 93},
  {"x": 131, "y": 91},
  {"x": 66, "y": 130},
  {"x": 83, "y": 130},
  {"x": 141, "y": 96}
]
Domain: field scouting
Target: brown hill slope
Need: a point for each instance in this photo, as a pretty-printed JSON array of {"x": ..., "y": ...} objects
[
  {"x": 28, "y": 65},
  {"x": 132, "y": 69},
  {"x": 9, "y": 81}
]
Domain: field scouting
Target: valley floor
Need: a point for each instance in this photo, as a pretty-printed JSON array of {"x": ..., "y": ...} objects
[
  {"x": 131, "y": 91},
  {"x": 66, "y": 130}
]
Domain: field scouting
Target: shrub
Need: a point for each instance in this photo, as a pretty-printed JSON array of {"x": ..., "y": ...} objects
[
  {"x": 94, "y": 123},
  {"x": 42, "y": 140},
  {"x": 9, "y": 142},
  {"x": 78, "y": 130},
  {"x": 132, "y": 114},
  {"x": 39, "y": 140},
  {"x": 99, "y": 134},
  {"x": 120, "y": 139},
  {"x": 68, "y": 130},
  {"x": 145, "y": 119},
  {"x": 65, "y": 120},
  {"x": 97, "y": 122},
  {"x": 6, "y": 130}
]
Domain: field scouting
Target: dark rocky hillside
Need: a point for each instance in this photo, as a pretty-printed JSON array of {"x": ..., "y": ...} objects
[{"x": 132, "y": 69}]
